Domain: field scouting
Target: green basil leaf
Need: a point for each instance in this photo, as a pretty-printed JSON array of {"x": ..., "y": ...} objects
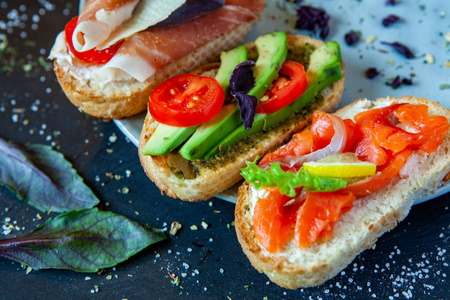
[
  {"x": 287, "y": 182},
  {"x": 43, "y": 178},
  {"x": 85, "y": 241}
]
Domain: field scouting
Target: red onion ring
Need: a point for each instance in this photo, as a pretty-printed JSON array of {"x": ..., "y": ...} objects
[{"x": 336, "y": 145}]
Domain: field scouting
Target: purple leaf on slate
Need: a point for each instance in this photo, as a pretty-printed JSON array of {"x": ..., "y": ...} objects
[
  {"x": 85, "y": 241},
  {"x": 43, "y": 178}
]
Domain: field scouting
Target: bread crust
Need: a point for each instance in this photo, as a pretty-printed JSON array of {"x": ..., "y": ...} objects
[
  {"x": 121, "y": 99},
  {"x": 357, "y": 229},
  {"x": 223, "y": 171}
]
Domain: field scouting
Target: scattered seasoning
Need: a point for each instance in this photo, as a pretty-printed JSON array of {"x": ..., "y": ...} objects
[
  {"x": 352, "y": 37},
  {"x": 175, "y": 280},
  {"x": 391, "y": 2},
  {"x": 204, "y": 225},
  {"x": 175, "y": 227},
  {"x": 447, "y": 37},
  {"x": 311, "y": 18},
  {"x": 372, "y": 73},
  {"x": 429, "y": 58},
  {"x": 194, "y": 227},
  {"x": 444, "y": 86},
  {"x": 370, "y": 39},
  {"x": 113, "y": 138},
  {"x": 124, "y": 190},
  {"x": 389, "y": 20},
  {"x": 447, "y": 64},
  {"x": 400, "y": 48},
  {"x": 230, "y": 225}
]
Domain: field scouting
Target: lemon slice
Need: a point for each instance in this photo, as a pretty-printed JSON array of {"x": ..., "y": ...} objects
[{"x": 345, "y": 165}]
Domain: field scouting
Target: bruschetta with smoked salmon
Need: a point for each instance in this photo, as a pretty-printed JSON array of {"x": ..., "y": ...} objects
[{"x": 310, "y": 207}]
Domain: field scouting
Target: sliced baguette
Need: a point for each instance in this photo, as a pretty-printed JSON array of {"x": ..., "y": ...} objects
[
  {"x": 357, "y": 229},
  {"x": 120, "y": 99},
  {"x": 201, "y": 179}
]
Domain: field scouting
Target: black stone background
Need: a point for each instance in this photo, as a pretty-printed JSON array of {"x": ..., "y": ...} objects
[{"x": 411, "y": 261}]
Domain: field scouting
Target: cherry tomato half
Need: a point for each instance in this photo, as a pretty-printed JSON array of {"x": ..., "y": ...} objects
[
  {"x": 286, "y": 89},
  {"x": 186, "y": 100},
  {"x": 93, "y": 56}
]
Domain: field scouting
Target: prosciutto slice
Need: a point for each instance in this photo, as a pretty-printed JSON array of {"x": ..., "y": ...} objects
[
  {"x": 98, "y": 19},
  {"x": 142, "y": 54}
]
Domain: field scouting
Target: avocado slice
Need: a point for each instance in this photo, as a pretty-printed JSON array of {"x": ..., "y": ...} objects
[
  {"x": 323, "y": 61},
  {"x": 211, "y": 132},
  {"x": 167, "y": 138},
  {"x": 272, "y": 53},
  {"x": 229, "y": 60},
  {"x": 325, "y": 68}
]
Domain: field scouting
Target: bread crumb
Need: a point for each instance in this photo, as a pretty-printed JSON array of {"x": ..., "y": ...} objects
[
  {"x": 370, "y": 39},
  {"x": 429, "y": 59},
  {"x": 204, "y": 225},
  {"x": 175, "y": 227}
]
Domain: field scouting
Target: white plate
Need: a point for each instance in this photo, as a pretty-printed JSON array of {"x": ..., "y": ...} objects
[{"x": 423, "y": 35}]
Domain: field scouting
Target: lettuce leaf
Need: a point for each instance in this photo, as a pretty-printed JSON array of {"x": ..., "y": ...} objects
[{"x": 287, "y": 182}]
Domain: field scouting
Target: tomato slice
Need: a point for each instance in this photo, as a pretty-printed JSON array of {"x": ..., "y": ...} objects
[
  {"x": 186, "y": 100},
  {"x": 272, "y": 221},
  {"x": 318, "y": 214},
  {"x": 93, "y": 56},
  {"x": 286, "y": 89}
]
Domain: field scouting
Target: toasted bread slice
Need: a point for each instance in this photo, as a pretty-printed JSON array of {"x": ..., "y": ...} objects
[
  {"x": 200, "y": 180},
  {"x": 356, "y": 230},
  {"x": 120, "y": 99}
]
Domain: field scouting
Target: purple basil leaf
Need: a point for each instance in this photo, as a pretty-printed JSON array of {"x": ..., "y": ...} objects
[
  {"x": 389, "y": 20},
  {"x": 352, "y": 37},
  {"x": 372, "y": 73},
  {"x": 85, "y": 241},
  {"x": 247, "y": 108},
  {"x": 241, "y": 82},
  {"x": 43, "y": 178},
  {"x": 191, "y": 9},
  {"x": 400, "y": 48},
  {"x": 313, "y": 19}
]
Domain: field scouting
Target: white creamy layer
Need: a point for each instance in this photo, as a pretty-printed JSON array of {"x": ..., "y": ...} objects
[{"x": 119, "y": 68}]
